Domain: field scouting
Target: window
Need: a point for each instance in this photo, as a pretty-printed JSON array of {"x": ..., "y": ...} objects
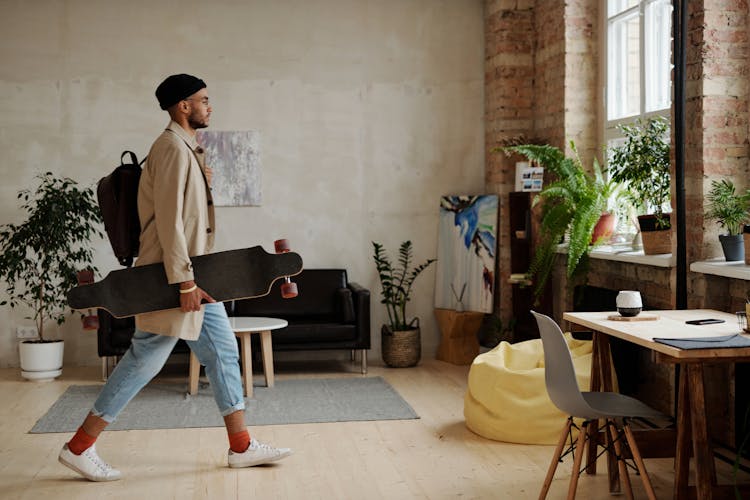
[
  {"x": 637, "y": 70},
  {"x": 638, "y": 61}
]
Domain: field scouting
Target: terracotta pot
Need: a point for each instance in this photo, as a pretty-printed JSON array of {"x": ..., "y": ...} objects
[{"x": 604, "y": 228}]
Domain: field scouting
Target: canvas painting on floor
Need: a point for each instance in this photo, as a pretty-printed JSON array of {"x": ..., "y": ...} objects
[
  {"x": 466, "y": 253},
  {"x": 235, "y": 159}
]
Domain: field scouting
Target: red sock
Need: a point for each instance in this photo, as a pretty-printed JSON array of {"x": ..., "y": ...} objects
[
  {"x": 239, "y": 441},
  {"x": 80, "y": 442}
]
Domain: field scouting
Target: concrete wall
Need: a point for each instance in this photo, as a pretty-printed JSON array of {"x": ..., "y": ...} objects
[{"x": 368, "y": 112}]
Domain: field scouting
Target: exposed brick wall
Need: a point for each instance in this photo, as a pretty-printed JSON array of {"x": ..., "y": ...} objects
[
  {"x": 717, "y": 112},
  {"x": 581, "y": 76},
  {"x": 718, "y": 92},
  {"x": 541, "y": 84},
  {"x": 549, "y": 80},
  {"x": 551, "y": 45},
  {"x": 509, "y": 101}
]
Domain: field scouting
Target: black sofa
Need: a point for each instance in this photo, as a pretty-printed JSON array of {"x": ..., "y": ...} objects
[{"x": 329, "y": 313}]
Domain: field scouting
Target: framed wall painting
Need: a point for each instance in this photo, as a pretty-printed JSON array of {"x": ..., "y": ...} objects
[
  {"x": 235, "y": 159},
  {"x": 467, "y": 234}
]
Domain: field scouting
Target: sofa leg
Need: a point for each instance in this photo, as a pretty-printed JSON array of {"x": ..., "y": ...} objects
[
  {"x": 364, "y": 361},
  {"x": 108, "y": 364},
  {"x": 353, "y": 354}
]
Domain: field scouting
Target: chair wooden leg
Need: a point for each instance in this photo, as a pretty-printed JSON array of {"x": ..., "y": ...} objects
[
  {"x": 580, "y": 446},
  {"x": 614, "y": 437},
  {"x": 555, "y": 459},
  {"x": 639, "y": 461}
]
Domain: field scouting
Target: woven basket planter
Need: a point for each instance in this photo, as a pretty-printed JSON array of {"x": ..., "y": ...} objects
[
  {"x": 656, "y": 240},
  {"x": 400, "y": 349}
]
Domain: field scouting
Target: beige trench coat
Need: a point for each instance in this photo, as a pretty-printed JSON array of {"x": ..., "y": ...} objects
[{"x": 177, "y": 222}]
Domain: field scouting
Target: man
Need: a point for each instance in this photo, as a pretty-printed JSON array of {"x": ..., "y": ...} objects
[{"x": 177, "y": 220}]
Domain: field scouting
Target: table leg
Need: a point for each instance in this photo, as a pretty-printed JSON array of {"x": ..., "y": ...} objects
[
  {"x": 682, "y": 451},
  {"x": 596, "y": 385},
  {"x": 607, "y": 385},
  {"x": 267, "y": 348},
  {"x": 247, "y": 363},
  {"x": 704, "y": 461},
  {"x": 194, "y": 374}
]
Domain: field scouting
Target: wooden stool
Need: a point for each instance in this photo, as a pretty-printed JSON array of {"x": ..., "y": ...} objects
[{"x": 243, "y": 327}]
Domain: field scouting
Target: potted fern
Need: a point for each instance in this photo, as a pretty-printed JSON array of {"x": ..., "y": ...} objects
[
  {"x": 572, "y": 205},
  {"x": 642, "y": 165},
  {"x": 39, "y": 259},
  {"x": 729, "y": 209},
  {"x": 400, "y": 337}
]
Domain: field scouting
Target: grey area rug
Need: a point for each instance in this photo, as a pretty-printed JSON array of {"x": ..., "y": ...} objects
[{"x": 168, "y": 406}]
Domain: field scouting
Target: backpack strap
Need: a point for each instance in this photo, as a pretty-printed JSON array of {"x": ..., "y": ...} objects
[{"x": 133, "y": 158}]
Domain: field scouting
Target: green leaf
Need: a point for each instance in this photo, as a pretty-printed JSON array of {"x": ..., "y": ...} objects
[{"x": 396, "y": 282}]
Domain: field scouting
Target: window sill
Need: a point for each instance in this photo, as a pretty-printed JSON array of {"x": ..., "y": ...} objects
[
  {"x": 720, "y": 267},
  {"x": 626, "y": 254}
]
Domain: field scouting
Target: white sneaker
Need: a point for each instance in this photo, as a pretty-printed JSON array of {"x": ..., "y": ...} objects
[
  {"x": 257, "y": 454},
  {"x": 88, "y": 464}
]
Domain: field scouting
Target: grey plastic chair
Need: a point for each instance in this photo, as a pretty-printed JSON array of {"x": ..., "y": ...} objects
[{"x": 614, "y": 408}]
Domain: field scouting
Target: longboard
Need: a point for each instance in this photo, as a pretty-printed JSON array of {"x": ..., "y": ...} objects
[{"x": 230, "y": 275}]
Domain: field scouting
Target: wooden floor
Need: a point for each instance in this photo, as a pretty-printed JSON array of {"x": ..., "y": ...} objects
[{"x": 433, "y": 457}]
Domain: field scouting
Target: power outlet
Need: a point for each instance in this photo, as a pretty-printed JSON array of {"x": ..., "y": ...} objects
[{"x": 26, "y": 332}]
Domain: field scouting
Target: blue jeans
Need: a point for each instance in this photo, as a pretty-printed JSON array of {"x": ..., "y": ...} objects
[{"x": 216, "y": 349}]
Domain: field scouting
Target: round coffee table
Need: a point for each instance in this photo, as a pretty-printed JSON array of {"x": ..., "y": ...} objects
[{"x": 243, "y": 327}]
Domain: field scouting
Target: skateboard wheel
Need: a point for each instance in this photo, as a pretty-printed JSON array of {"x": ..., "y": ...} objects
[
  {"x": 281, "y": 246},
  {"x": 90, "y": 322},
  {"x": 289, "y": 290},
  {"x": 85, "y": 277}
]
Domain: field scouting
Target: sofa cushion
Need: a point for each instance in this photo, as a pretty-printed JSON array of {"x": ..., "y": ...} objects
[
  {"x": 319, "y": 299},
  {"x": 311, "y": 333}
]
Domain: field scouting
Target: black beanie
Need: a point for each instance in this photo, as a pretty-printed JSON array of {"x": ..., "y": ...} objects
[{"x": 175, "y": 88}]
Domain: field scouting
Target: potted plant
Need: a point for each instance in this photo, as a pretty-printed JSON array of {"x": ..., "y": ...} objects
[
  {"x": 729, "y": 209},
  {"x": 401, "y": 344},
  {"x": 39, "y": 259},
  {"x": 642, "y": 165},
  {"x": 572, "y": 205}
]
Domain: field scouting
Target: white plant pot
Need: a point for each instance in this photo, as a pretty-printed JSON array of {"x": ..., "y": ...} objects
[{"x": 41, "y": 361}]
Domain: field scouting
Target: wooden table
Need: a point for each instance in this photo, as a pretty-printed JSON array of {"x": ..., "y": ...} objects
[
  {"x": 243, "y": 327},
  {"x": 691, "y": 412}
]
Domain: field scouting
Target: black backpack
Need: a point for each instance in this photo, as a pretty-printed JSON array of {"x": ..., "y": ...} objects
[{"x": 117, "y": 194}]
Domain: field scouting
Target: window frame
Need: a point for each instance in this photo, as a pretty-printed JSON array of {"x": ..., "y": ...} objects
[{"x": 609, "y": 128}]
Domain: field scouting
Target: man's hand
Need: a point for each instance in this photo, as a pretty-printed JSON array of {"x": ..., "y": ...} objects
[
  {"x": 209, "y": 174},
  {"x": 191, "y": 301}
]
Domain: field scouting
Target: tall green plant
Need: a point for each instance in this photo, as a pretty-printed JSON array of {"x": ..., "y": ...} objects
[
  {"x": 39, "y": 258},
  {"x": 727, "y": 207},
  {"x": 396, "y": 283},
  {"x": 572, "y": 204},
  {"x": 642, "y": 164}
]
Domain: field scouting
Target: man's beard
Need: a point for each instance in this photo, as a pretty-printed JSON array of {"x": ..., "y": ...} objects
[{"x": 196, "y": 124}]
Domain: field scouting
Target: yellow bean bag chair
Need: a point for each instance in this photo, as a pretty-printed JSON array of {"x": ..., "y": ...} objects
[{"x": 507, "y": 398}]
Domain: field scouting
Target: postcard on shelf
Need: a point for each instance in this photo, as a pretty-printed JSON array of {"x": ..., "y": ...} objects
[{"x": 532, "y": 178}]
